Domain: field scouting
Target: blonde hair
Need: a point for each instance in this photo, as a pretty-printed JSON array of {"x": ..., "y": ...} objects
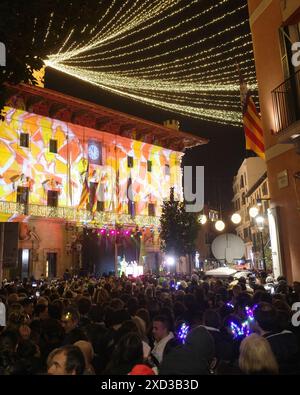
[{"x": 256, "y": 356}]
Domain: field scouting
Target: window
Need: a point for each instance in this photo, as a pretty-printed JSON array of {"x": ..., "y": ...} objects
[
  {"x": 92, "y": 197},
  {"x": 149, "y": 165},
  {"x": 22, "y": 195},
  {"x": 243, "y": 199},
  {"x": 100, "y": 206},
  {"x": 24, "y": 140},
  {"x": 52, "y": 198},
  {"x": 167, "y": 170},
  {"x": 129, "y": 161},
  {"x": 151, "y": 210},
  {"x": 53, "y": 146},
  {"x": 265, "y": 191},
  {"x": 242, "y": 182},
  {"x": 246, "y": 233},
  {"x": 266, "y": 206}
]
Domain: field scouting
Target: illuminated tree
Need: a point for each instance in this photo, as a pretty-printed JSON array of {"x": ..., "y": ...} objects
[{"x": 179, "y": 228}]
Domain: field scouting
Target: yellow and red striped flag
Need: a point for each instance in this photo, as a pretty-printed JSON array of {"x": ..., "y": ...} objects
[
  {"x": 252, "y": 122},
  {"x": 85, "y": 191},
  {"x": 95, "y": 202}
]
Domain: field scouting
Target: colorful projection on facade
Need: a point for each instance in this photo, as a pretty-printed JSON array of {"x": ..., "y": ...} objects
[{"x": 26, "y": 161}]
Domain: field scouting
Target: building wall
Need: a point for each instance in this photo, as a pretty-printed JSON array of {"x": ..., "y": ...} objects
[
  {"x": 251, "y": 169},
  {"x": 51, "y": 238},
  {"x": 265, "y": 19},
  {"x": 39, "y": 170}
]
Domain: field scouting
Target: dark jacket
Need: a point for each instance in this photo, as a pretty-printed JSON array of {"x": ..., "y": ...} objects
[
  {"x": 223, "y": 347},
  {"x": 193, "y": 357},
  {"x": 285, "y": 348}
]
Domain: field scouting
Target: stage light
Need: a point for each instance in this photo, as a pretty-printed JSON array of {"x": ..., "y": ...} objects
[{"x": 170, "y": 260}]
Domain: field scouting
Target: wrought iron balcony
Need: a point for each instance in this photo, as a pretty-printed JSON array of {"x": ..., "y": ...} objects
[
  {"x": 286, "y": 103},
  {"x": 79, "y": 216}
]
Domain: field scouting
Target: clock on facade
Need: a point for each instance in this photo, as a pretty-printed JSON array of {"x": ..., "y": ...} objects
[{"x": 94, "y": 152}]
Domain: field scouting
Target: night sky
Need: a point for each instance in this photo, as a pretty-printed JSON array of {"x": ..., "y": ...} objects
[{"x": 225, "y": 151}]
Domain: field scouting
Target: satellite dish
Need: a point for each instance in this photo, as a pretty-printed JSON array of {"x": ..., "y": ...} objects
[{"x": 228, "y": 247}]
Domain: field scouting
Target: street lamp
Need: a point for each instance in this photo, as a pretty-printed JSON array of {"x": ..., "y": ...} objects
[
  {"x": 202, "y": 219},
  {"x": 253, "y": 212},
  {"x": 220, "y": 225},
  {"x": 236, "y": 218}
]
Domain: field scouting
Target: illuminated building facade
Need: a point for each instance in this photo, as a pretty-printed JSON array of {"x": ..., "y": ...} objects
[{"x": 51, "y": 145}]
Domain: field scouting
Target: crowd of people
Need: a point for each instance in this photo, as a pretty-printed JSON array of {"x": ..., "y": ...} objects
[{"x": 150, "y": 325}]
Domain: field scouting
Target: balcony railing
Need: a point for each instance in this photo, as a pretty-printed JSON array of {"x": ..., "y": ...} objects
[
  {"x": 286, "y": 102},
  {"x": 80, "y": 216}
]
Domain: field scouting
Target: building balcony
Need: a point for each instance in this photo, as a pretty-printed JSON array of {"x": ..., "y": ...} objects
[
  {"x": 71, "y": 214},
  {"x": 286, "y": 105}
]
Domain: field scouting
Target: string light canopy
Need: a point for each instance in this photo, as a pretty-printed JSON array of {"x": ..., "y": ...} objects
[{"x": 171, "y": 54}]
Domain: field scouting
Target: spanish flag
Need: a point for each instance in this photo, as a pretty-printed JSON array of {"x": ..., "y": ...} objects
[
  {"x": 85, "y": 191},
  {"x": 251, "y": 121},
  {"x": 95, "y": 202}
]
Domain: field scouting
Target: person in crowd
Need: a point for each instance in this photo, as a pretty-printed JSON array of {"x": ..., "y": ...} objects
[
  {"x": 67, "y": 275},
  {"x": 67, "y": 360},
  {"x": 162, "y": 335},
  {"x": 128, "y": 357},
  {"x": 99, "y": 312},
  {"x": 283, "y": 342},
  {"x": 88, "y": 353},
  {"x": 28, "y": 307},
  {"x": 256, "y": 356},
  {"x": 70, "y": 321},
  {"x": 195, "y": 357},
  {"x": 223, "y": 347},
  {"x": 84, "y": 306}
]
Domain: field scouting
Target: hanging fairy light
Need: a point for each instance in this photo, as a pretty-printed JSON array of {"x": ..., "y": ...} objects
[{"x": 174, "y": 55}]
